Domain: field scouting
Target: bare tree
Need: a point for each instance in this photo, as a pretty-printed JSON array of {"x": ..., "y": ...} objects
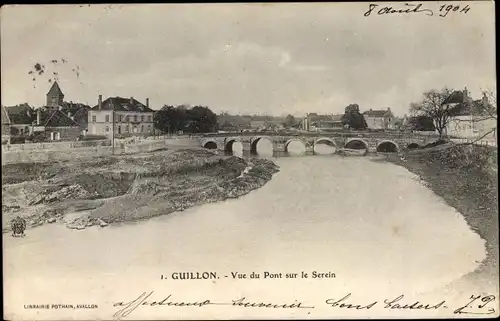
[{"x": 433, "y": 106}]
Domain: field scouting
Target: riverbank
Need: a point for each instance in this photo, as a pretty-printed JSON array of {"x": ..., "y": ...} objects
[
  {"x": 115, "y": 189},
  {"x": 466, "y": 177}
]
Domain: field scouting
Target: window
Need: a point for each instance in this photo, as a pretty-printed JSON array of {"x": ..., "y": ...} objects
[
  {"x": 142, "y": 128},
  {"x": 107, "y": 118},
  {"x": 150, "y": 118},
  {"x": 107, "y": 129},
  {"x": 120, "y": 118},
  {"x": 94, "y": 119},
  {"x": 127, "y": 118},
  {"x": 119, "y": 129},
  {"x": 142, "y": 118},
  {"x": 135, "y": 118}
]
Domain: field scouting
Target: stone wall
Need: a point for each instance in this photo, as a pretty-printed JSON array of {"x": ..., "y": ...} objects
[
  {"x": 55, "y": 145},
  {"x": 46, "y": 152}
]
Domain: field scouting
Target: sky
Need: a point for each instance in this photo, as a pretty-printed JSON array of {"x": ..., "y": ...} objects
[{"x": 273, "y": 59}]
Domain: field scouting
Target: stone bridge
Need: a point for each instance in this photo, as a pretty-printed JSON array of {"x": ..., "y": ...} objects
[{"x": 370, "y": 142}]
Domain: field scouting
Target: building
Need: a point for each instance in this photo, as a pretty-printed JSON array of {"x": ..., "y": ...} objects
[
  {"x": 379, "y": 119},
  {"x": 120, "y": 117},
  {"x": 472, "y": 119},
  {"x": 5, "y": 127},
  {"x": 315, "y": 122},
  {"x": 21, "y": 119},
  {"x": 58, "y": 120},
  {"x": 55, "y": 96},
  {"x": 57, "y": 124}
]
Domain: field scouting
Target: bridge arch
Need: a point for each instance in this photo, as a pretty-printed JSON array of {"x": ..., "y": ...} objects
[
  {"x": 329, "y": 141},
  {"x": 255, "y": 140},
  {"x": 413, "y": 146},
  {"x": 355, "y": 143},
  {"x": 228, "y": 143},
  {"x": 387, "y": 146},
  {"x": 210, "y": 144},
  {"x": 295, "y": 140}
]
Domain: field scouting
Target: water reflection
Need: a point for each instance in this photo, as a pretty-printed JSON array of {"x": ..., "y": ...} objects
[
  {"x": 296, "y": 148},
  {"x": 264, "y": 148},
  {"x": 237, "y": 149},
  {"x": 324, "y": 149}
]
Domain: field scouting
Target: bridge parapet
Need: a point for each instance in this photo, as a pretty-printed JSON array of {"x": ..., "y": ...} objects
[{"x": 280, "y": 142}]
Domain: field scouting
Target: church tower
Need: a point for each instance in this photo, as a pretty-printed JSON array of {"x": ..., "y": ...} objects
[{"x": 55, "y": 96}]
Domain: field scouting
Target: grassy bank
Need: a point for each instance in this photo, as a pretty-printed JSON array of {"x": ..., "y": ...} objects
[
  {"x": 465, "y": 176},
  {"x": 125, "y": 188}
]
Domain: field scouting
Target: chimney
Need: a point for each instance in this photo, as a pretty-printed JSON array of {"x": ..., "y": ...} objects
[
  {"x": 100, "y": 102},
  {"x": 466, "y": 93},
  {"x": 38, "y": 116},
  {"x": 485, "y": 100},
  {"x": 131, "y": 100},
  {"x": 147, "y": 102}
]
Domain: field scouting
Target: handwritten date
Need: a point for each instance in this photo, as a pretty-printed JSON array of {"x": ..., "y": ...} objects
[{"x": 412, "y": 8}]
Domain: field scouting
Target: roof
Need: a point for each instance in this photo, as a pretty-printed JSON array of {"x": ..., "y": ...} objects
[
  {"x": 19, "y": 109},
  {"x": 20, "y": 114},
  {"x": 337, "y": 117},
  {"x": 378, "y": 113},
  {"x": 56, "y": 118},
  {"x": 456, "y": 97},
  {"x": 315, "y": 117},
  {"x": 5, "y": 116},
  {"x": 475, "y": 108},
  {"x": 123, "y": 104},
  {"x": 55, "y": 90}
]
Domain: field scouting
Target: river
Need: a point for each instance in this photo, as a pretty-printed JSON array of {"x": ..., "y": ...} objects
[{"x": 372, "y": 224}]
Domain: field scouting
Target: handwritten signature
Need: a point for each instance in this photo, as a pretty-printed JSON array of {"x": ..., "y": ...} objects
[
  {"x": 412, "y": 8},
  {"x": 476, "y": 305}
]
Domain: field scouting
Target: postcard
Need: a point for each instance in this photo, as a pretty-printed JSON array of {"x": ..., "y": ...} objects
[{"x": 249, "y": 161}]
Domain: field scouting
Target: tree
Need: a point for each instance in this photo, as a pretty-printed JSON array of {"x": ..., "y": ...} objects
[
  {"x": 289, "y": 121},
  {"x": 421, "y": 123},
  {"x": 198, "y": 119},
  {"x": 433, "y": 105},
  {"x": 353, "y": 118},
  {"x": 201, "y": 120},
  {"x": 170, "y": 119}
]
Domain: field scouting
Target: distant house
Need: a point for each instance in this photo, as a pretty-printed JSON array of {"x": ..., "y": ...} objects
[
  {"x": 21, "y": 118},
  {"x": 5, "y": 127},
  {"x": 58, "y": 120},
  {"x": 379, "y": 119},
  {"x": 56, "y": 123},
  {"x": 119, "y": 117},
  {"x": 472, "y": 118},
  {"x": 315, "y": 122}
]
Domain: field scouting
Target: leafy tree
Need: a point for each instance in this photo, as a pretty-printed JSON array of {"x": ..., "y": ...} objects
[
  {"x": 198, "y": 119},
  {"x": 289, "y": 121},
  {"x": 353, "y": 118},
  {"x": 421, "y": 123},
  {"x": 201, "y": 120}
]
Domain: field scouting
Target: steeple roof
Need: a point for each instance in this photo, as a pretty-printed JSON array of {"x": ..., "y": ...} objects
[{"x": 55, "y": 90}]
